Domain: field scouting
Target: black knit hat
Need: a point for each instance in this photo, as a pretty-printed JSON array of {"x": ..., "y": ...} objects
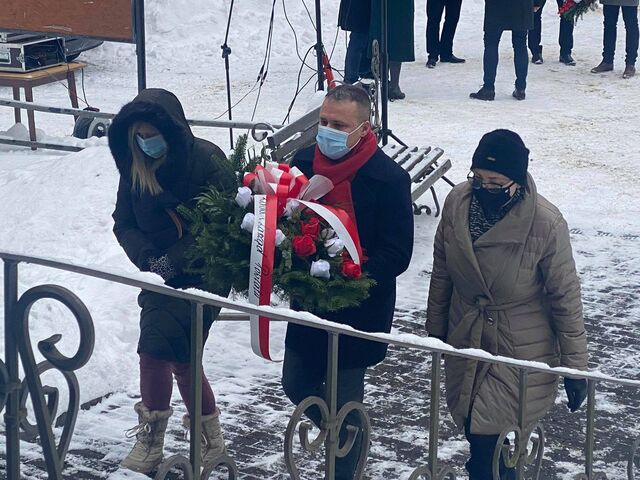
[{"x": 503, "y": 151}]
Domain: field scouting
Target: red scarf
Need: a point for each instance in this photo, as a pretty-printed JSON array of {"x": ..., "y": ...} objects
[{"x": 342, "y": 172}]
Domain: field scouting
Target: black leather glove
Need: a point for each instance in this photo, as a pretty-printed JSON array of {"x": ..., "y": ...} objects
[
  {"x": 162, "y": 266},
  {"x": 576, "y": 389}
]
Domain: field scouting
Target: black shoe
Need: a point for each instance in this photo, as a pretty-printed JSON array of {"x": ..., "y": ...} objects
[
  {"x": 396, "y": 94},
  {"x": 567, "y": 59},
  {"x": 452, "y": 59},
  {"x": 519, "y": 94},
  {"x": 431, "y": 63},
  {"x": 537, "y": 59},
  {"x": 483, "y": 94},
  {"x": 602, "y": 67}
]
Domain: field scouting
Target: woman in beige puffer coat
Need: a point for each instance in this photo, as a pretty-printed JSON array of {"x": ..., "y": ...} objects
[{"x": 504, "y": 281}]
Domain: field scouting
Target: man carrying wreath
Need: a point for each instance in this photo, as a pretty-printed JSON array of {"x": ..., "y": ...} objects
[{"x": 375, "y": 192}]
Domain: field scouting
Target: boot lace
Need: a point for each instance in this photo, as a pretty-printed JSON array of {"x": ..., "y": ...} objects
[{"x": 141, "y": 428}]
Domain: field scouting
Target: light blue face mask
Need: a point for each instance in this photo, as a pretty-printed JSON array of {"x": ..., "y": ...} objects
[
  {"x": 155, "y": 147},
  {"x": 333, "y": 143}
]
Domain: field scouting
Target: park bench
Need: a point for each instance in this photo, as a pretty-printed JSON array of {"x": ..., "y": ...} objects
[{"x": 424, "y": 164}]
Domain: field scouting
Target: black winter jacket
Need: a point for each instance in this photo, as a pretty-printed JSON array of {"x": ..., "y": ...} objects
[
  {"x": 381, "y": 194},
  {"x": 514, "y": 15},
  {"x": 142, "y": 224}
]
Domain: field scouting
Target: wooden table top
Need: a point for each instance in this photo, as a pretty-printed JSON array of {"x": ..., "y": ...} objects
[{"x": 53, "y": 73}]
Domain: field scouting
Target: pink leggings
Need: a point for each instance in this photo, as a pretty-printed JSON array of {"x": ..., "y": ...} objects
[{"x": 156, "y": 384}]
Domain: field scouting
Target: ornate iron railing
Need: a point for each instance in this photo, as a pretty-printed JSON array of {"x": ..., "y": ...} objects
[{"x": 14, "y": 391}]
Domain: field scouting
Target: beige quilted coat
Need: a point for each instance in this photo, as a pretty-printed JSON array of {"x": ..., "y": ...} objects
[{"x": 515, "y": 292}]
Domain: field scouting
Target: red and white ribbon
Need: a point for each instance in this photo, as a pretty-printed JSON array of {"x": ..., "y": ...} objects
[
  {"x": 261, "y": 270},
  {"x": 274, "y": 185}
]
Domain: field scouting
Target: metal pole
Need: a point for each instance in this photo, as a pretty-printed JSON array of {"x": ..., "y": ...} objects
[
  {"x": 140, "y": 44},
  {"x": 226, "y": 52},
  {"x": 521, "y": 439},
  {"x": 196, "y": 386},
  {"x": 435, "y": 413},
  {"x": 11, "y": 415},
  {"x": 319, "y": 46},
  {"x": 332, "y": 401},
  {"x": 384, "y": 71},
  {"x": 589, "y": 441}
]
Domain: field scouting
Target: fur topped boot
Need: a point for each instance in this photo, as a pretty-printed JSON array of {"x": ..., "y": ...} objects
[
  {"x": 212, "y": 442},
  {"x": 146, "y": 454}
]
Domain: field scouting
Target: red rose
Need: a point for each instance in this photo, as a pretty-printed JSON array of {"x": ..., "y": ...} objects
[
  {"x": 304, "y": 245},
  {"x": 351, "y": 269},
  {"x": 312, "y": 227}
]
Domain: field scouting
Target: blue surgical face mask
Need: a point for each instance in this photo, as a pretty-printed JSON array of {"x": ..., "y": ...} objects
[
  {"x": 154, "y": 147},
  {"x": 333, "y": 143}
]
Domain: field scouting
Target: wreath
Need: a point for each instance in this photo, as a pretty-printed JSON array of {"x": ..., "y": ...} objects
[{"x": 310, "y": 263}]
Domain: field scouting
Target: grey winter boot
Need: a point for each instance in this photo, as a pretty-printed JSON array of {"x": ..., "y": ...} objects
[
  {"x": 146, "y": 454},
  {"x": 212, "y": 442}
]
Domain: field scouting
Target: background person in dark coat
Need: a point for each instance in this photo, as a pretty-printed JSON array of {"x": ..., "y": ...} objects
[
  {"x": 162, "y": 165},
  {"x": 400, "y": 16},
  {"x": 565, "y": 37},
  {"x": 355, "y": 17},
  {"x": 611, "y": 10},
  {"x": 440, "y": 46},
  {"x": 501, "y": 15},
  {"x": 381, "y": 199}
]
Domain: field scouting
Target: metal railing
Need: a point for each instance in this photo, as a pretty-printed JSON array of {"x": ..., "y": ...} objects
[
  {"x": 259, "y": 130},
  {"x": 13, "y": 390}
]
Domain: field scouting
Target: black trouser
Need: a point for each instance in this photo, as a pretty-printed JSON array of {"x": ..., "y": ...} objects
[
  {"x": 441, "y": 45},
  {"x": 356, "y": 57},
  {"x": 630, "y": 17},
  {"x": 565, "y": 37},
  {"x": 481, "y": 450},
  {"x": 302, "y": 378},
  {"x": 520, "y": 57}
]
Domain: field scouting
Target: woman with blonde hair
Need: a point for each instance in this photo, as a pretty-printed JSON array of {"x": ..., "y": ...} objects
[{"x": 162, "y": 165}]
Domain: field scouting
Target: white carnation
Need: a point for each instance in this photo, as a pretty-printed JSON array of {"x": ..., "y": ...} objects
[
  {"x": 334, "y": 246},
  {"x": 280, "y": 237},
  {"x": 243, "y": 197},
  {"x": 327, "y": 233},
  {"x": 247, "y": 222},
  {"x": 320, "y": 269},
  {"x": 291, "y": 207}
]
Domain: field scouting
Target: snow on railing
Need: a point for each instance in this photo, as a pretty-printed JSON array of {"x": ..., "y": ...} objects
[{"x": 17, "y": 342}]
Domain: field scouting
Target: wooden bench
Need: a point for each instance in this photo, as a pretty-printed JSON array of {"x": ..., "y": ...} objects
[{"x": 423, "y": 164}]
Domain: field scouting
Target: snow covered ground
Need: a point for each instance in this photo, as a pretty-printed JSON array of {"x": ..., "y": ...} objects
[{"x": 582, "y": 132}]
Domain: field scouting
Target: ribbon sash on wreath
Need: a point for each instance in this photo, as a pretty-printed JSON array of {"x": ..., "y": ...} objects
[{"x": 276, "y": 185}]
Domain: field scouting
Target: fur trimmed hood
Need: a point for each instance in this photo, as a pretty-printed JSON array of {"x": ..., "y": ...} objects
[{"x": 162, "y": 109}]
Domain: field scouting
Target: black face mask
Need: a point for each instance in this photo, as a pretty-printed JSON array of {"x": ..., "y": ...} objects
[{"x": 492, "y": 202}]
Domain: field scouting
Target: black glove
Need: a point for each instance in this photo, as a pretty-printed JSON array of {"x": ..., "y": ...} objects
[
  {"x": 576, "y": 389},
  {"x": 162, "y": 266}
]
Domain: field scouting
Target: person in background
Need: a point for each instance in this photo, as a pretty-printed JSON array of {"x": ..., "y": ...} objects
[
  {"x": 440, "y": 45},
  {"x": 161, "y": 166},
  {"x": 376, "y": 194},
  {"x": 611, "y": 10},
  {"x": 355, "y": 17},
  {"x": 501, "y": 15},
  {"x": 400, "y": 16},
  {"x": 504, "y": 281},
  {"x": 565, "y": 37}
]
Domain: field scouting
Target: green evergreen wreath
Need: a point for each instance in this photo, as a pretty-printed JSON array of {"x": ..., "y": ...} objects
[{"x": 222, "y": 249}]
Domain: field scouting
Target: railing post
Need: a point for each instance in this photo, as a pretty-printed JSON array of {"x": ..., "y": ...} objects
[
  {"x": 12, "y": 411},
  {"x": 589, "y": 440},
  {"x": 196, "y": 386},
  {"x": 332, "y": 401},
  {"x": 434, "y": 427},
  {"x": 523, "y": 437}
]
